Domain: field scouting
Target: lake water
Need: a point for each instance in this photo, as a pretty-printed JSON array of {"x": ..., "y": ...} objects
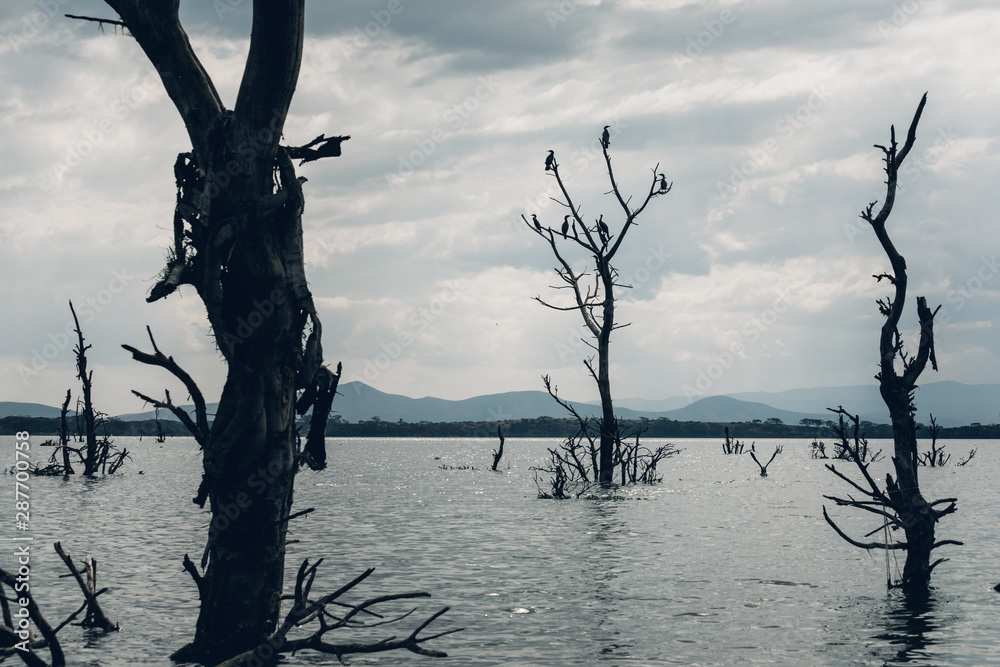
[{"x": 715, "y": 566}]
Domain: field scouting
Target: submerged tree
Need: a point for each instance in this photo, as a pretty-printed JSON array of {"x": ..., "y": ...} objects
[
  {"x": 237, "y": 240},
  {"x": 900, "y": 504},
  {"x": 97, "y": 453},
  {"x": 594, "y": 293},
  {"x": 935, "y": 457}
]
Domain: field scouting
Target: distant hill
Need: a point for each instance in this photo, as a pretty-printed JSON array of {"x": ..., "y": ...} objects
[
  {"x": 953, "y": 403},
  {"x": 14, "y": 409},
  {"x": 727, "y": 409}
]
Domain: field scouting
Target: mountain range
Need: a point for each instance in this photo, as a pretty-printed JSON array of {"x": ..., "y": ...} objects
[{"x": 952, "y": 404}]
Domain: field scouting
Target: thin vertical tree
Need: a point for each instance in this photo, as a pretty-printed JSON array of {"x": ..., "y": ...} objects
[
  {"x": 901, "y": 503},
  {"x": 594, "y": 290}
]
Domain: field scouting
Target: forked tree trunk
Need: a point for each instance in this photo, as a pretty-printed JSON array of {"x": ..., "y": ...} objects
[{"x": 238, "y": 242}]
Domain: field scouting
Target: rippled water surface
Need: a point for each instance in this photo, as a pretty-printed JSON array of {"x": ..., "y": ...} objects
[{"x": 715, "y": 566}]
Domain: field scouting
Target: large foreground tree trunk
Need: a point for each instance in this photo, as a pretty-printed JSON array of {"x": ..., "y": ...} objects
[{"x": 238, "y": 242}]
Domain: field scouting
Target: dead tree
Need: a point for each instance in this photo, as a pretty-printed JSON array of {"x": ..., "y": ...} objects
[
  {"x": 98, "y": 454},
  {"x": 95, "y": 617},
  {"x": 237, "y": 241},
  {"x": 17, "y": 637},
  {"x": 89, "y": 419},
  {"x": 573, "y": 465},
  {"x": 593, "y": 293},
  {"x": 846, "y": 449},
  {"x": 498, "y": 453},
  {"x": 891, "y": 504},
  {"x": 331, "y": 614},
  {"x": 60, "y": 461},
  {"x": 906, "y": 505},
  {"x": 763, "y": 466},
  {"x": 936, "y": 456},
  {"x": 965, "y": 461},
  {"x": 732, "y": 446},
  {"x": 160, "y": 436}
]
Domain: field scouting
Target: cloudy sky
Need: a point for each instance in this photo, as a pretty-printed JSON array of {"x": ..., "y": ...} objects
[{"x": 754, "y": 273}]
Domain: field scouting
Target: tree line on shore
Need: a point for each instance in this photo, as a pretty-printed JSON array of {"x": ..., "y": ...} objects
[{"x": 537, "y": 427}]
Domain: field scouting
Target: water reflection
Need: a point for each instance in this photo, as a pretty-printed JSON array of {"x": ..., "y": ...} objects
[{"x": 909, "y": 624}]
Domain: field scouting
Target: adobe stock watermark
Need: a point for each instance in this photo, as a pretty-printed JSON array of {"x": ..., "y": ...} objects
[
  {"x": 714, "y": 29},
  {"x": 902, "y": 13},
  {"x": 758, "y": 156},
  {"x": 747, "y": 335},
  {"x": 32, "y": 24},
  {"x": 966, "y": 291},
  {"x": 362, "y": 37},
  {"x": 911, "y": 171},
  {"x": 418, "y": 321},
  {"x": 560, "y": 14},
  {"x": 111, "y": 120},
  {"x": 64, "y": 338},
  {"x": 454, "y": 118}
]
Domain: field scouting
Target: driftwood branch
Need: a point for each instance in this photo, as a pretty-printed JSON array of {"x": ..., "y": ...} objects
[
  {"x": 498, "y": 453},
  {"x": 95, "y": 615},
  {"x": 331, "y": 614}
]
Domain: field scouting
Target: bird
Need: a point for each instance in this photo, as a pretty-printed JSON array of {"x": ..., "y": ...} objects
[
  {"x": 550, "y": 161},
  {"x": 565, "y": 226},
  {"x": 663, "y": 183},
  {"x": 534, "y": 219},
  {"x": 604, "y": 227},
  {"x": 606, "y": 137}
]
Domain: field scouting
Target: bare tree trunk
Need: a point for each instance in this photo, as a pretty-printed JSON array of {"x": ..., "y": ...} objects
[
  {"x": 595, "y": 304},
  {"x": 90, "y": 430},
  {"x": 238, "y": 242},
  {"x": 64, "y": 436},
  {"x": 902, "y": 503}
]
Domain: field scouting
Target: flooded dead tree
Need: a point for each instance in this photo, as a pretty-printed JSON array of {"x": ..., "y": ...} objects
[
  {"x": 498, "y": 452},
  {"x": 572, "y": 466},
  {"x": 237, "y": 241},
  {"x": 594, "y": 292},
  {"x": 936, "y": 456},
  {"x": 97, "y": 453},
  {"x": 16, "y": 635},
  {"x": 900, "y": 504},
  {"x": 732, "y": 446}
]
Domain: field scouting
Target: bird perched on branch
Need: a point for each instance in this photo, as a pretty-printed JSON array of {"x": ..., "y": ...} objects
[
  {"x": 534, "y": 219},
  {"x": 605, "y": 232},
  {"x": 550, "y": 161},
  {"x": 663, "y": 183},
  {"x": 606, "y": 137},
  {"x": 565, "y": 226}
]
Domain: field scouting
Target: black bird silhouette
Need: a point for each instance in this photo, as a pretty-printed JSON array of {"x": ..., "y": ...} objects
[
  {"x": 550, "y": 161},
  {"x": 534, "y": 219},
  {"x": 604, "y": 227},
  {"x": 565, "y": 227},
  {"x": 606, "y": 137},
  {"x": 663, "y": 183}
]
